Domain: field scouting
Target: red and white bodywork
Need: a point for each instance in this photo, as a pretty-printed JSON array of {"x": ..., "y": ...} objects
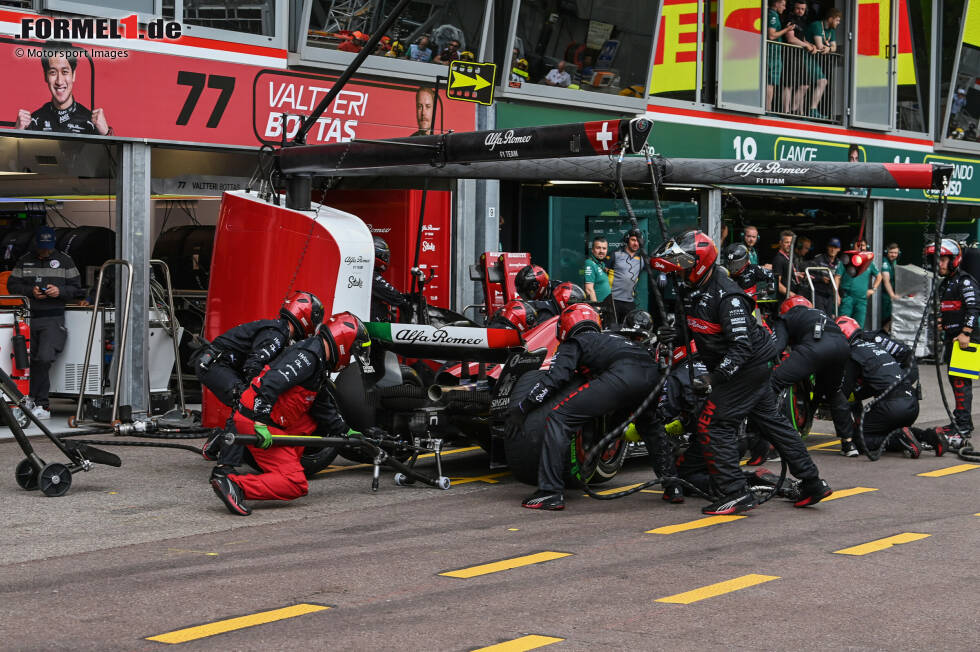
[{"x": 259, "y": 247}]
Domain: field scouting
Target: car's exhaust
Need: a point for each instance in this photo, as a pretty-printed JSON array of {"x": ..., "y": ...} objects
[{"x": 438, "y": 392}]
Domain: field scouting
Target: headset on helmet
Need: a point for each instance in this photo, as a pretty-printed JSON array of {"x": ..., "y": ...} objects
[
  {"x": 304, "y": 311},
  {"x": 532, "y": 282},
  {"x": 514, "y": 314},
  {"x": 577, "y": 318},
  {"x": 736, "y": 258},
  {"x": 633, "y": 233},
  {"x": 567, "y": 294},
  {"x": 848, "y": 326},
  {"x": 690, "y": 256},
  {"x": 346, "y": 337},
  {"x": 794, "y": 302},
  {"x": 382, "y": 253},
  {"x": 947, "y": 247},
  {"x": 637, "y": 324}
]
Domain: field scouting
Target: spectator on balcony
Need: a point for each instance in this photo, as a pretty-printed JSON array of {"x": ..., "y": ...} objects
[
  {"x": 823, "y": 35},
  {"x": 449, "y": 54},
  {"x": 586, "y": 72},
  {"x": 421, "y": 50},
  {"x": 793, "y": 96},
  {"x": 558, "y": 77},
  {"x": 775, "y": 32}
]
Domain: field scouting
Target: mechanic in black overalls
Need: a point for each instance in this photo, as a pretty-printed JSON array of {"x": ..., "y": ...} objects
[
  {"x": 960, "y": 308},
  {"x": 755, "y": 280},
  {"x": 226, "y": 365},
  {"x": 818, "y": 347},
  {"x": 620, "y": 374},
  {"x": 736, "y": 351},
  {"x": 50, "y": 279},
  {"x": 387, "y": 303},
  {"x": 870, "y": 371}
]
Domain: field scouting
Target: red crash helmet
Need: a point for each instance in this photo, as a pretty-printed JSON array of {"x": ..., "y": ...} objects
[
  {"x": 689, "y": 256},
  {"x": 848, "y": 326},
  {"x": 346, "y": 337},
  {"x": 531, "y": 282},
  {"x": 794, "y": 302},
  {"x": 947, "y": 247},
  {"x": 577, "y": 318},
  {"x": 515, "y": 314},
  {"x": 304, "y": 311},
  {"x": 567, "y": 294}
]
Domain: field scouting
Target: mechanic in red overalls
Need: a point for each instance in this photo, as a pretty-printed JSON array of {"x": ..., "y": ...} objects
[{"x": 290, "y": 397}]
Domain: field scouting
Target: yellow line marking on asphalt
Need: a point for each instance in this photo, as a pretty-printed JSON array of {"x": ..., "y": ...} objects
[
  {"x": 743, "y": 462},
  {"x": 489, "y": 479},
  {"x": 694, "y": 525},
  {"x": 651, "y": 491},
  {"x": 334, "y": 468},
  {"x": 195, "y": 552},
  {"x": 530, "y": 642},
  {"x": 517, "y": 529},
  {"x": 826, "y": 444},
  {"x": 949, "y": 470},
  {"x": 721, "y": 588},
  {"x": 231, "y": 624},
  {"x": 881, "y": 544},
  {"x": 820, "y": 434},
  {"x": 844, "y": 493},
  {"x": 506, "y": 564},
  {"x": 606, "y": 492}
]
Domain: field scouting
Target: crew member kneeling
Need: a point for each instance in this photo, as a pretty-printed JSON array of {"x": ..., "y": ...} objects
[
  {"x": 736, "y": 351},
  {"x": 871, "y": 372},
  {"x": 620, "y": 374},
  {"x": 290, "y": 397}
]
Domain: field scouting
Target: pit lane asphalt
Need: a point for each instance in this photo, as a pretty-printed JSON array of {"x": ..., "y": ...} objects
[{"x": 147, "y": 549}]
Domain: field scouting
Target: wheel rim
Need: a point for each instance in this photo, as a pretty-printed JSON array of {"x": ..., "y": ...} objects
[
  {"x": 26, "y": 475},
  {"x": 55, "y": 480}
]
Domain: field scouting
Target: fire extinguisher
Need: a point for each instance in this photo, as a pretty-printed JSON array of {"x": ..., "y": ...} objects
[{"x": 20, "y": 371}]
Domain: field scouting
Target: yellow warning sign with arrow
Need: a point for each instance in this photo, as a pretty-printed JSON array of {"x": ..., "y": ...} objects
[{"x": 471, "y": 82}]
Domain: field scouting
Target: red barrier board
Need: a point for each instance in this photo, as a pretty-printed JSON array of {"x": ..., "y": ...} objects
[{"x": 162, "y": 97}]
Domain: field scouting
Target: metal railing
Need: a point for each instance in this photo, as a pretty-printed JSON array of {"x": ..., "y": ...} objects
[{"x": 805, "y": 85}]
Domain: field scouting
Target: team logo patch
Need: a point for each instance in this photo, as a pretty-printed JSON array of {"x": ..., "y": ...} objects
[{"x": 54, "y": 264}]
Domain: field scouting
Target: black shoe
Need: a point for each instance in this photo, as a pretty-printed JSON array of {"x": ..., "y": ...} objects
[
  {"x": 673, "y": 495},
  {"x": 934, "y": 437},
  {"x": 541, "y": 499},
  {"x": 230, "y": 494},
  {"x": 812, "y": 491},
  {"x": 212, "y": 447},
  {"x": 734, "y": 503},
  {"x": 848, "y": 449},
  {"x": 910, "y": 445}
]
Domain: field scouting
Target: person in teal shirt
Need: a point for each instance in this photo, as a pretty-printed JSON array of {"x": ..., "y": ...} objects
[
  {"x": 596, "y": 274},
  {"x": 774, "y": 56},
  {"x": 888, "y": 280},
  {"x": 856, "y": 290},
  {"x": 823, "y": 34}
]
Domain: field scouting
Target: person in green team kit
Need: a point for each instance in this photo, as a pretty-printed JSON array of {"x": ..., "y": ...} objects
[
  {"x": 823, "y": 34},
  {"x": 858, "y": 288},
  {"x": 774, "y": 57},
  {"x": 596, "y": 274},
  {"x": 888, "y": 281}
]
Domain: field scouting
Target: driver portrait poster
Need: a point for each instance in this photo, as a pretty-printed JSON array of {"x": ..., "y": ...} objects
[{"x": 85, "y": 89}]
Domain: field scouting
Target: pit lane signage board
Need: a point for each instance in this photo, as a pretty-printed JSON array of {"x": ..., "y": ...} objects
[
  {"x": 472, "y": 82},
  {"x": 177, "y": 99}
]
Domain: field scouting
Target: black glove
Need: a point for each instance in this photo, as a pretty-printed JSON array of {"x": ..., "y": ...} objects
[
  {"x": 262, "y": 410},
  {"x": 515, "y": 415},
  {"x": 251, "y": 372},
  {"x": 702, "y": 385},
  {"x": 374, "y": 432},
  {"x": 666, "y": 334}
]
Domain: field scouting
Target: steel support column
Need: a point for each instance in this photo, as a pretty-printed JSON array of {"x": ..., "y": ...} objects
[
  {"x": 710, "y": 210},
  {"x": 477, "y": 223},
  {"x": 876, "y": 241},
  {"x": 133, "y": 225}
]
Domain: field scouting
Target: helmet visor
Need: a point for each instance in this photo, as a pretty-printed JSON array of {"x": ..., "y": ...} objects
[{"x": 670, "y": 257}]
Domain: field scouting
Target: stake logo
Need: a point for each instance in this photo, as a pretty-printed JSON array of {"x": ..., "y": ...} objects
[{"x": 88, "y": 28}]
